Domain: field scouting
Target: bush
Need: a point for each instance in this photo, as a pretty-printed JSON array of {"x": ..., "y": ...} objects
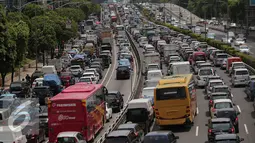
[{"x": 249, "y": 60}]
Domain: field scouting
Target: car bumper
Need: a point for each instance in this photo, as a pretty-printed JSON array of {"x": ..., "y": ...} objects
[
  {"x": 182, "y": 121},
  {"x": 240, "y": 82}
]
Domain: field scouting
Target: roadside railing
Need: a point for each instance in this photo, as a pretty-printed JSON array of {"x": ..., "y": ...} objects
[{"x": 121, "y": 117}]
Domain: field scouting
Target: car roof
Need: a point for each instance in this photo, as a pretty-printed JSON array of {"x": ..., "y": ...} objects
[
  {"x": 67, "y": 134},
  {"x": 226, "y": 109},
  {"x": 140, "y": 100},
  {"x": 225, "y": 136},
  {"x": 219, "y": 93},
  {"x": 241, "y": 69},
  {"x": 204, "y": 68},
  {"x": 149, "y": 88},
  {"x": 220, "y": 120},
  {"x": 117, "y": 133},
  {"x": 113, "y": 92},
  {"x": 219, "y": 86},
  {"x": 222, "y": 100},
  {"x": 216, "y": 80},
  {"x": 157, "y": 133},
  {"x": 127, "y": 125},
  {"x": 88, "y": 73}
]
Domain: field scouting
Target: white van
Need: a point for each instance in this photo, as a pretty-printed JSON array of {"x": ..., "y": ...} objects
[
  {"x": 179, "y": 68},
  {"x": 49, "y": 69},
  {"x": 240, "y": 77},
  {"x": 151, "y": 83},
  {"x": 154, "y": 74},
  {"x": 137, "y": 106}
]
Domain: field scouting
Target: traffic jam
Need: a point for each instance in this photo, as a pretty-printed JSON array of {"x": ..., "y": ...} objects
[{"x": 184, "y": 81}]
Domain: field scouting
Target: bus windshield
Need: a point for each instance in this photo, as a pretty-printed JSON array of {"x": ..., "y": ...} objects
[{"x": 170, "y": 93}]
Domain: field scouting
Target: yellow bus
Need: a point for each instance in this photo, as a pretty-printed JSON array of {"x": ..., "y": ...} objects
[{"x": 175, "y": 101}]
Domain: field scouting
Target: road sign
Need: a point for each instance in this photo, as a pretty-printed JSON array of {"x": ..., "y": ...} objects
[{"x": 68, "y": 24}]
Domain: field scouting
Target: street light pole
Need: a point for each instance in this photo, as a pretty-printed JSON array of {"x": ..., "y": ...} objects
[{"x": 20, "y": 10}]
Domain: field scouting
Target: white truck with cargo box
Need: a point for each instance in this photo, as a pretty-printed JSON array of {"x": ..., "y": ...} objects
[
  {"x": 179, "y": 68},
  {"x": 151, "y": 58},
  {"x": 168, "y": 49},
  {"x": 140, "y": 111}
]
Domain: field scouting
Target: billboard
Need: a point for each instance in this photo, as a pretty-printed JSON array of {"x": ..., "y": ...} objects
[{"x": 252, "y": 2}]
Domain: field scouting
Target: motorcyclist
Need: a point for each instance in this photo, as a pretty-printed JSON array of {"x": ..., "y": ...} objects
[{"x": 28, "y": 78}]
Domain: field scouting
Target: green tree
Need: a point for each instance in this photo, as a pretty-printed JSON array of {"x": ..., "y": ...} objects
[
  {"x": 43, "y": 35},
  {"x": 7, "y": 47},
  {"x": 13, "y": 17},
  {"x": 32, "y": 10},
  {"x": 71, "y": 13},
  {"x": 22, "y": 30}
]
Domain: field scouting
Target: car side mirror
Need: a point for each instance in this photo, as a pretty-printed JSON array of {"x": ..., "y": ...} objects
[
  {"x": 177, "y": 137},
  {"x": 234, "y": 104},
  {"x": 242, "y": 139}
]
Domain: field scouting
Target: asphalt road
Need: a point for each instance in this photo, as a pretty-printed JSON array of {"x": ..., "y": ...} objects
[{"x": 198, "y": 133}]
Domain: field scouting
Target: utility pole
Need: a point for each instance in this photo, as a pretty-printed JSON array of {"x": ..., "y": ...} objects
[
  {"x": 247, "y": 19},
  {"x": 20, "y": 10},
  {"x": 227, "y": 25}
]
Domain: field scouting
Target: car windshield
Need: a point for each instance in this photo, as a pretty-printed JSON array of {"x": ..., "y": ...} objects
[
  {"x": 222, "y": 56},
  {"x": 117, "y": 140},
  {"x": 84, "y": 79},
  {"x": 219, "y": 97},
  {"x": 4, "y": 104},
  {"x": 221, "y": 126},
  {"x": 153, "y": 67},
  {"x": 227, "y": 141},
  {"x": 75, "y": 68},
  {"x": 244, "y": 47},
  {"x": 203, "y": 72},
  {"x": 212, "y": 84},
  {"x": 221, "y": 89},
  {"x": 16, "y": 85},
  {"x": 156, "y": 138},
  {"x": 148, "y": 92},
  {"x": 111, "y": 97},
  {"x": 200, "y": 58},
  {"x": 221, "y": 105},
  {"x": 243, "y": 72},
  {"x": 66, "y": 140}
]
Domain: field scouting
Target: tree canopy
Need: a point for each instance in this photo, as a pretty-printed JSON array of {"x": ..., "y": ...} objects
[{"x": 37, "y": 29}]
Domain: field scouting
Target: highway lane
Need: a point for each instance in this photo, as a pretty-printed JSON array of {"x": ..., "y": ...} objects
[
  {"x": 198, "y": 133},
  {"x": 124, "y": 86}
]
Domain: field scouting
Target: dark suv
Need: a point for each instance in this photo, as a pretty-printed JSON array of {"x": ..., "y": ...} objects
[
  {"x": 122, "y": 72},
  {"x": 219, "y": 126},
  {"x": 121, "y": 136},
  {"x": 230, "y": 113},
  {"x": 20, "y": 88},
  {"x": 233, "y": 138},
  {"x": 115, "y": 100}
]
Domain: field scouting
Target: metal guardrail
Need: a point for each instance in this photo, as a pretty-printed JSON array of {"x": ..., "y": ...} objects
[{"x": 121, "y": 117}]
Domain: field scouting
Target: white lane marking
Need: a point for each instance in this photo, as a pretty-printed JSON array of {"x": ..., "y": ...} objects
[
  {"x": 197, "y": 111},
  {"x": 246, "y": 129},
  {"x": 106, "y": 73},
  {"x": 114, "y": 65},
  {"x": 197, "y": 128},
  {"x": 152, "y": 125},
  {"x": 239, "y": 109},
  {"x": 232, "y": 95}
]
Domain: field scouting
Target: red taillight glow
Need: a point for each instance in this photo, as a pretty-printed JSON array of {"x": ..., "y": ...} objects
[
  {"x": 56, "y": 141},
  {"x": 232, "y": 130},
  {"x": 210, "y": 131},
  {"x": 213, "y": 110},
  {"x": 236, "y": 119},
  {"x": 136, "y": 134},
  {"x": 211, "y": 102}
]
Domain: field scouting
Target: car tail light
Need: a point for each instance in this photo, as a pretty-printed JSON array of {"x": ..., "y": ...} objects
[
  {"x": 211, "y": 102},
  {"x": 187, "y": 109},
  {"x": 213, "y": 110},
  {"x": 56, "y": 141},
  {"x": 209, "y": 131},
  {"x": 232, "y": 130},
  {"x": 136, "y": 134},
  {"x": 236, "y": 119}
]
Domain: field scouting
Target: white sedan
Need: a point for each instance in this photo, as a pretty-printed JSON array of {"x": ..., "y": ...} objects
[
  {"x": 239, "y": 41},
  {"x": 244, "y": 49},
  {"x": 108, "y": 112}
]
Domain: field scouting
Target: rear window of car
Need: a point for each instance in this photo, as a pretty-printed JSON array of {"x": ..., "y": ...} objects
[
  {"x": 156, "y": 139},
  {"x": 221, "y": 126},
  {"x": 66, "y": 140},
  {"x": 117, "y": 140}
]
